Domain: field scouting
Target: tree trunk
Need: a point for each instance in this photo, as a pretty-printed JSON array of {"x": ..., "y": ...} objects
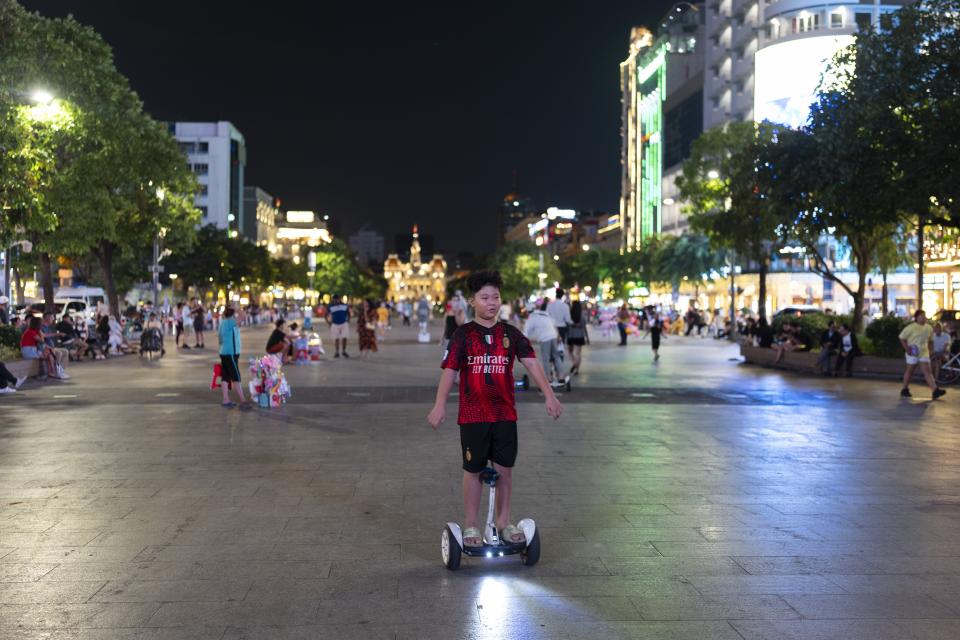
[
  {"x": 762, "y": 303},
  {"x": 46, "y": 281},
  {"x": 105, "y": 255},
  {"x": 858, "y": 299},
  {"x": 19, "y": 284},
  {"x": 883, "y": 303}
]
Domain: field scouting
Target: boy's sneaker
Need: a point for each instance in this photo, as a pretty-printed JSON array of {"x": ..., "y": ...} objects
[
  {"x": 346, "y": 355},
  {"x": 20, "y": 382},
  {"x": 336, "y": 355},
  {"x": 905, "y": 393},
  {"x": 6, "y": 390},
  {"x": 939, "y": 392}
]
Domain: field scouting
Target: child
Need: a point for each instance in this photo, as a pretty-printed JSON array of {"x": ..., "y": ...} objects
[{"x": 483, "y": 352}]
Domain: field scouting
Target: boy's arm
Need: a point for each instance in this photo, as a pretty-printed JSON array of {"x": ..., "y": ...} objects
[
  {"x": 554, "y": 408},
  {"x": 438, "y": 414}
]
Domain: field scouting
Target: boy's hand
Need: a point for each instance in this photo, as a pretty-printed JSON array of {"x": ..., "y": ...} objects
[
  {"x": 437, "y": 415},
  {"x": 554, "y": 408}
]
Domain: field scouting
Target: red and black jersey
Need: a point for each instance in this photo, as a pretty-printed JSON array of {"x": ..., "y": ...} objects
[{"x": 484, "y": 357}]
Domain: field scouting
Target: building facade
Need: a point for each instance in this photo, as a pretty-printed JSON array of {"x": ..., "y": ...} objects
[
  {"x": 217, "y": 154},
  {"x": 260, "y": 215},
  {"x": 662, "y": 88},
  {"x": 368, "y": 245},
  {"x": 298, "y": 233},
  {"x": 414, "y": 279}
]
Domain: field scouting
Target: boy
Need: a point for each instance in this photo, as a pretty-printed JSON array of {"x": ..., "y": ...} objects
[{"x": 483, "y": 351}]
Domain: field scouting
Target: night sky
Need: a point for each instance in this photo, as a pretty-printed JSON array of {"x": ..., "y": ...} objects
[{"x": 392, "y": 114}]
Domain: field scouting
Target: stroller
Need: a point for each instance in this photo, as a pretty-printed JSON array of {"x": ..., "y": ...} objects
[{"x": 151, "y": 342}]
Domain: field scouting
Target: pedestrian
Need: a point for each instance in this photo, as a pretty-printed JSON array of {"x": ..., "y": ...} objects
[
  {"x": 577, "y": 336},
  {"x": 829, "y": 343},
  {"x": 9, "y": 383},
  {"x": 338, "y": 315},
  {"x": 623, "y": 319},
  {"x": 559, "y": 312},
  {"x": 278, "y": 343},
  {"x": 366, "y": 328},
  {"x": 656, "y": 328},
  {"x": 483, "y": 352},
  {"x": 178, "y": 314},
  {"x": 229, "y": 334},
  {"x": 52, "y": 338},
  {"x": 849, "y": 349},
  {"x": 917, "y": 341},
  {"x": 32, "y": 347},
  {"x": 541, "y": 331},
  {"x": 383, "y": 318},
  {"x": 455, "y": 315},
  {"x": 199, "y": 324},
  {"x": 941, "y": 347},
  {"x": 4, "y": 311}
]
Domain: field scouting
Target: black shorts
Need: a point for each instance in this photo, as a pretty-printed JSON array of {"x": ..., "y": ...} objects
[
  {"x": 482, "y": 441},
  {"x": 229, "y": 369}
]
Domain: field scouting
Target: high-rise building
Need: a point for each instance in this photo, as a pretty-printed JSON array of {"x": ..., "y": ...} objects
[
  {"x": 217, "y": 154},
  {"x": 368, "y": 245},
  {"x": 662, "y": 83},
  {"x": 765, "y": 59},
  {"x": 260, "y": 214}
]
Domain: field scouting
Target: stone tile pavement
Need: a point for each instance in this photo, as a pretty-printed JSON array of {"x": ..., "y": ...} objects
[{"x": 697, "y": 498}]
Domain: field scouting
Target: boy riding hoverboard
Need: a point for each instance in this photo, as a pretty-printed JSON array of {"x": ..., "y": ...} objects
[{"x": 483, "y": 351}]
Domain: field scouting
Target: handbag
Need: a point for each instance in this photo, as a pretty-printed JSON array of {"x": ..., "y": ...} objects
[{"x": 575, "y": 332}]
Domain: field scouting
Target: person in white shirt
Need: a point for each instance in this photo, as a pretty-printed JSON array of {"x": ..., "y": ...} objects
[
  {"x": 559, "y": 312},
  {"x": 941, "y": 348},
  {"x": 541, "y": 331}
]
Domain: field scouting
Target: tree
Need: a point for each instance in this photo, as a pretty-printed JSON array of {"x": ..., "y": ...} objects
[
  {"x": 725, "y": 202},
  {"x": 687, "y": 257},
  {"x": 519, "y": 266},
  {"x": 892, "y": 252},
  {"x": 110, "y": 159}
]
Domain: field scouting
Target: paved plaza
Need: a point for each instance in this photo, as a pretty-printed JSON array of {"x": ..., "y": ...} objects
[{"x": 697, "y": 498}]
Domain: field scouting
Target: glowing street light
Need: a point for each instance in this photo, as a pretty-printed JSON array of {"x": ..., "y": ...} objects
[{"x": 42, "y": 97}]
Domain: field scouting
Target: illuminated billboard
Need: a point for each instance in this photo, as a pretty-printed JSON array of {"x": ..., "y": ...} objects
[{"x": 787, "y": 77}]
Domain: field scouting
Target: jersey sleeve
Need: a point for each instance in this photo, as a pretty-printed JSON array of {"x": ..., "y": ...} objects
[
  {"x": 524, "y": 349},
  {"x": 456, "y": 354}
]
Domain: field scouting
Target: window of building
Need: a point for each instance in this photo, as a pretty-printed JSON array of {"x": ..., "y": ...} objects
[
  {"x": 201, "y": 169},
  {"x": 886, "y": 21},
  {"x": 836, "y": 20},
  {"x": 202, "y": 190},
  {"x": 864, "y": 21},
  {"x": 187, "y": 147},
  {"x": 203, "y": 211},
  {"x": 203, "y": 147}
]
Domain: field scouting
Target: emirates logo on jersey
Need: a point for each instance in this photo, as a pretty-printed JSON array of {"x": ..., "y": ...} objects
[{"x": 488, "y": 364}]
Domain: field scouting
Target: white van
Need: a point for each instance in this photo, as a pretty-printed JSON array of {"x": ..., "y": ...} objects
[{"x": 80, "y": 300}]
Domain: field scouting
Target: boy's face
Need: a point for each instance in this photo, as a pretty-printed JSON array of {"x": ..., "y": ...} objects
[{"x": 486, "y": 302}]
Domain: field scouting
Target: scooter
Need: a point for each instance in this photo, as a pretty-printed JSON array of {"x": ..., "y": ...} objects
[
  {"x": 451, "y": 540},
  {"x": 523, "y": 384}
]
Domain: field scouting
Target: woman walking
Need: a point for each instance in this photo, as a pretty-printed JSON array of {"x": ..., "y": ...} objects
[
  {"x": 577, "y": 336},
  {"x": 366, "y": 328},
  {"x": 229, "y": 335}
]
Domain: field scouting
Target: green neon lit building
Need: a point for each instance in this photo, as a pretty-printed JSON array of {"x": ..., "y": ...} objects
[{"x": 652, "y": 93}]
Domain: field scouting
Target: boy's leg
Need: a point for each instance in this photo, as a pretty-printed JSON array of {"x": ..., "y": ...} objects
[
  {"x": 907, "y": 375},
  {"x": 472, "y": 491},
  {"x": 504, "y": 493},
  {"x": 928, "y": 376}
]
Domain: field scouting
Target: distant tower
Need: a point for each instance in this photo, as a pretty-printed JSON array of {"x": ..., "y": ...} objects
[
  {"x": 415, "y": 249},
  {"x": 512, "y": 210}
]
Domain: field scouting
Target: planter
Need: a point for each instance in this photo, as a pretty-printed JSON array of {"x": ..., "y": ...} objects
[
  {"x": 806, "y": 362},
  {"x": 23, "y": 368}
]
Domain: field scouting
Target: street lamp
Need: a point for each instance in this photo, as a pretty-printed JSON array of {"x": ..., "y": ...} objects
[{"x": 156, "y": 268}]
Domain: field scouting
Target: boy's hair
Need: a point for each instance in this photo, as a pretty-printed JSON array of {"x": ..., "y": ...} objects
[
  {"x": 918, "y": 313},
  {"x": 559, "y": 293},
  {"x": 544, "y": 304},
  {"x": 278, "y": 323},
  {"x": 480, "y": 279},
  {"x": 227, "y": 313}
]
